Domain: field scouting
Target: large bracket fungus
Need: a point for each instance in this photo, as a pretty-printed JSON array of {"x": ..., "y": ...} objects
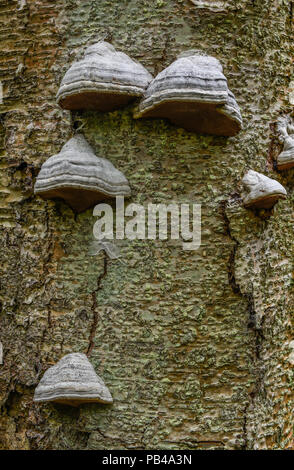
[
  {"x": 285, "y": 127},
  {"x": 103, "y": 80},
  {"x": 261, "y": 192},
  {"x": 72, "y": 381},
  {"x": 193, "y": 93},
  {"x": 79, "y": 177}
]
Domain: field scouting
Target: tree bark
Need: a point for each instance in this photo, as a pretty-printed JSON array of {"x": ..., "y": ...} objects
[{"x": 194, "y": 346}]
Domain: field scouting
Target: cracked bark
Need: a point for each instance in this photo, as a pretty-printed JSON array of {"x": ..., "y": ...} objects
[
  {"x": 95, "y": 306},
  {"x": 194, "y": 347}
]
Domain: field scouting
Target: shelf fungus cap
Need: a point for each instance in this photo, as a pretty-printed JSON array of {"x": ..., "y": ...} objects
[
  {"x": 286, "y": 158},
  {"x": 193, "y": 93},
  {"x": 260, "y": 191},
  {"x": 211, "y": 5},
  {"x": 80, "y": 178},
  {"x": 72, "y": 381},
  {"x": 103, "y": 80},
  {"x": 232, "y": 111}
]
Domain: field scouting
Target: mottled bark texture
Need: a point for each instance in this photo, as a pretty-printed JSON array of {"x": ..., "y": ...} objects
[{"x": 193, "y": 346}]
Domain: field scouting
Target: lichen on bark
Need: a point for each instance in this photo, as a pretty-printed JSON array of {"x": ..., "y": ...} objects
[{"x": 194, "y": 346}]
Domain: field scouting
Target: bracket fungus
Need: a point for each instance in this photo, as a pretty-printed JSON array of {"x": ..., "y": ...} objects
[
  {"x": 103, "y": 80},
  {"x": 72, "y": 381},
  {"x": 261, "y": 192},
  {"x": 285, "y": 127},
  {"x": 79, "y": 177},
  {"x": 193, "y": 93},
  {"x": 211, "y": 5}
]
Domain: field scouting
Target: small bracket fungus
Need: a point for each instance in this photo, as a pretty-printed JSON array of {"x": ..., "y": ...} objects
[
  {"x": 285, "y": 127},
  {"x": 72, "y": 381},
  {"x": 193, "y": 93},
  {"x": 103, "y": 80},
  {"x": 212, "y": 5},
  {"x": 76, "y": 175},
  {"x": 261, "y": 192}
]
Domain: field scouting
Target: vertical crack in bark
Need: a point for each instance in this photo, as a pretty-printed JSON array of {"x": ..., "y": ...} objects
[
  {"x": 49, "y": 318},
  {"x": 95, "y": 305},
  {"x": 47, "y": 262},
  {"x": 252, "y": 325},
  {"x": 231, "y": 264}
]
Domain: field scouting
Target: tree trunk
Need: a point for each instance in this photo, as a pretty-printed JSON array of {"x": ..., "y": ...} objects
[{"x": 193, "y": 345}]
